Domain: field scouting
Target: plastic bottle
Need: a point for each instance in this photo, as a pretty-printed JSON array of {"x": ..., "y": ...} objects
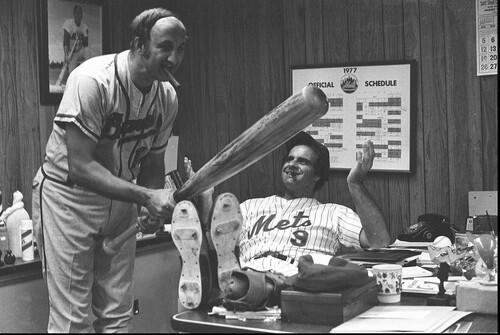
[
  {"x": 4, "y": 237},
  {"x": 13, "y": 216},
  {"x": 27, "y": 240}
]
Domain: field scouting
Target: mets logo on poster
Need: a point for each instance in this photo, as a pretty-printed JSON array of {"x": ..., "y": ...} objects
[{"x": 349, "y": 83}]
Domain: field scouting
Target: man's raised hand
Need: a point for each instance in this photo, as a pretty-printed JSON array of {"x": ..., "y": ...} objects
[{"x": 364, "y": 162}]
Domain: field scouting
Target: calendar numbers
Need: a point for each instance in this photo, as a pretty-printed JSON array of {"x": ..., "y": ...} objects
[{"x": 487, "y": 57}]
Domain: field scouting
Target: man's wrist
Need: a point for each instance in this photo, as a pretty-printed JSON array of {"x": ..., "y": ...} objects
[{"x": 144, "y": 195}]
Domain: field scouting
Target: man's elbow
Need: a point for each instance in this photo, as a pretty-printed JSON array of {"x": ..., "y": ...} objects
[
  {"x": 375, "y": 241},
  {"x": 381, "y": 242}
]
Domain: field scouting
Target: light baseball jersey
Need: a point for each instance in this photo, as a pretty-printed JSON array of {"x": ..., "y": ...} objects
[
  {"x": 125, "y": 123},
  {"x": 75, "y": 32},
  {"x": 294, "y": 228}
]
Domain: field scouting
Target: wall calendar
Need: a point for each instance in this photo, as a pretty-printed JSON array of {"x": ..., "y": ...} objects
[{"x": 486, "y": 36}]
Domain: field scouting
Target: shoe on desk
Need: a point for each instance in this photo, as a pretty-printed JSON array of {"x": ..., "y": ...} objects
[
  {"x": 427, "y": 228},
  {"x": 225, "y": 229},
  {"x": 187, "y": 237}
]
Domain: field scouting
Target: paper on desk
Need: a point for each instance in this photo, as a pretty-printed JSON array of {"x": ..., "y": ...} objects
[
  {"x": 269, "y": 314},
  {"x": 428, "y": 285},
  {"x": 405, "y": 244},
  {"x": 415, "y": 271},
  {"x": 425, "y": 259},
  {"x": 420, "y": 319}
]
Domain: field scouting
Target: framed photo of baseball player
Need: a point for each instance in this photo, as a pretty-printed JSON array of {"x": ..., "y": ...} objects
[
  {"x": 71, "y": 31},
  {"x": 366, "y": 101}
]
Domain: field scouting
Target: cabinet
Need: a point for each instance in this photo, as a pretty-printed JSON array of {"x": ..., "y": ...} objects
[{"x": 24, "y": 299}]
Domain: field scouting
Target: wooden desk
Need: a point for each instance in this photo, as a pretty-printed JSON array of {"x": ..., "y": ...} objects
[{"x": 200, "y": 321}]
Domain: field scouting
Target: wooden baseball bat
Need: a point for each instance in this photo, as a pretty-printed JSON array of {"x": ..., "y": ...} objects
[
  {"x": 267, "y": 134},
  {"x": 65, "y": 67}
]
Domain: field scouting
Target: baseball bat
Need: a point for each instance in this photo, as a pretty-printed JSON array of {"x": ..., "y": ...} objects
[
  {"x": 268, "y": 133},
  {"x": 65, "y": 67}
]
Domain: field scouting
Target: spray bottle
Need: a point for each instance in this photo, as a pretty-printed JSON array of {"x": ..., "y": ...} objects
[{"x": 13, "y": 217}]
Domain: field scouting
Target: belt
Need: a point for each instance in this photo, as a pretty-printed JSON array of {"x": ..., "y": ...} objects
[{"x": 277, "y": 255}]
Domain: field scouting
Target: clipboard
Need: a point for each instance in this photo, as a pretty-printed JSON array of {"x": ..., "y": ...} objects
[{"x": 381, "y": 256}]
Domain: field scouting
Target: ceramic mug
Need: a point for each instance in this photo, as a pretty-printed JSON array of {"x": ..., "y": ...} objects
[{"x": 389, "y": 282}]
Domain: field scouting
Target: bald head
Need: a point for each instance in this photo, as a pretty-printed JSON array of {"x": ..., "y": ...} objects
[{"x": 169, "y": 25}]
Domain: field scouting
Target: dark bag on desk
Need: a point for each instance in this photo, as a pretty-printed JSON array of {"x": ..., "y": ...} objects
[
  {"x": 338, "y": 275},
  {"x": 328, "y": 294}
]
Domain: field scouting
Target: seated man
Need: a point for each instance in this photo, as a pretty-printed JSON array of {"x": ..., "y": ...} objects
[{"x": 274, "y": 232}]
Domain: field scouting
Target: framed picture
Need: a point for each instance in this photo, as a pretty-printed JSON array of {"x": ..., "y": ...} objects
[
  {"x": 71, "y": 31},
  {"x": 372, "y": 101}
]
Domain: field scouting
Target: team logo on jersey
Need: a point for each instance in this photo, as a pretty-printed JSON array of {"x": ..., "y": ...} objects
[
  {"x": 132, "y": 130},
  {"x": 112, "y": 126},
  {"x": 349, "y": 83},
  {"x": 264, "y": 224}
]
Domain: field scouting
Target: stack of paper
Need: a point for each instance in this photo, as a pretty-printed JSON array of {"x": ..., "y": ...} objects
[
  {"x": 419, "y": 319},
  {"x": 415, "y": 271},
  {"x": 425, "y": 260},
  {"x": 405, "y": 244},
  {"x": 269, "y": 314},
  {"x": 430, "y": 285}
]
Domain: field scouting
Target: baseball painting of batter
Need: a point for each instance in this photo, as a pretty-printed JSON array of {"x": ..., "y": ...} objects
[{"x": 73, "y": 35}]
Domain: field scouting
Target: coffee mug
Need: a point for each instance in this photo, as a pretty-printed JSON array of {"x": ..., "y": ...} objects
[{"x": 388, "y": 278}]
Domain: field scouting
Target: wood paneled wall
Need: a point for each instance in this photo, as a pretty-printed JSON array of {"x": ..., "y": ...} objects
[{"x": 237, "y": 68}]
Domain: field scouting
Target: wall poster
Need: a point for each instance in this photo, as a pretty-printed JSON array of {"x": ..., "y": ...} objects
[
  {"x": 70, "y": 32},
  {"x": 366, "y": 101}
]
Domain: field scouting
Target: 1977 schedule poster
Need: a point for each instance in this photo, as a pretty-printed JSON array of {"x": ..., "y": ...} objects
[{"x": 367, "y": 102}]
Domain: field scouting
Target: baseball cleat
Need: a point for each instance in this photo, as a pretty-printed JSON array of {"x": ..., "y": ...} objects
[
  {"x": 225, "y": 229},
  {"x": 187, "y": 237}
]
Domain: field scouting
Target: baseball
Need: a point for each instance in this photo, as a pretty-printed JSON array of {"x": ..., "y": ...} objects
[{"x": 441, "y": 242}]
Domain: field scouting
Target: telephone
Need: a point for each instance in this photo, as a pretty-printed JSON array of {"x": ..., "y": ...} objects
[{"x": 433, "y": 219}]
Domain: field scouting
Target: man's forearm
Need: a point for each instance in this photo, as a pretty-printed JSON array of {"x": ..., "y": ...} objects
[{"x": 372, "y": 219}]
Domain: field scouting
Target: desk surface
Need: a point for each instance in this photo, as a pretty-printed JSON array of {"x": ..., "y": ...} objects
[{"x": 200, "y": 321}]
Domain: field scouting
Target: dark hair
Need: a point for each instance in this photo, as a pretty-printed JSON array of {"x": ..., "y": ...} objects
[
  {"x": 322, "y": 164},
  {"x": 77, "y": 7},
  {"x": 143, "y": 23}
]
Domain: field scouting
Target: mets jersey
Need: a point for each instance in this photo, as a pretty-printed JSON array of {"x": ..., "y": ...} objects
[
  {"x": 102, "y": 101},
  {"x": 293, "y": 228}
]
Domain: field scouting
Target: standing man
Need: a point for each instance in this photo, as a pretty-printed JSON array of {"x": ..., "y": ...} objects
[{"x": 103, "y": 165}]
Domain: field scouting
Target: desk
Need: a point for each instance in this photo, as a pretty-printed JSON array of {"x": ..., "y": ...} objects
[{"x": 200, "y": 321}]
